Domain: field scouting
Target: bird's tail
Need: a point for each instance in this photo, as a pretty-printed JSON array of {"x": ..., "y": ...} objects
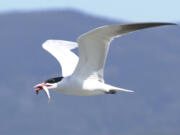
[{"x": 113, "y": 90}]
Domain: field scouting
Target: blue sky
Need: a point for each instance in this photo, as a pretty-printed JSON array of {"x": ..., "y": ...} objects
[{"x": 131, "y": 10}]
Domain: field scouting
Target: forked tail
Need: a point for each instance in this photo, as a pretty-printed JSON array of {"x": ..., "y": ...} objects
[{"x": 114, "y": 90}]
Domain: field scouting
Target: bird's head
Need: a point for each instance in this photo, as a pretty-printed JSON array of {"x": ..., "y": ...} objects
[{"x": 48, "y": 84}]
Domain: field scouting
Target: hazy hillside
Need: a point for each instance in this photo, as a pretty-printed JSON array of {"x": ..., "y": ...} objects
[{"x": 147, "y": 61}]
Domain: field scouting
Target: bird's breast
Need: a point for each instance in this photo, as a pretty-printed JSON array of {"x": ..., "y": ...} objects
[{"x": 75, "y": 86}]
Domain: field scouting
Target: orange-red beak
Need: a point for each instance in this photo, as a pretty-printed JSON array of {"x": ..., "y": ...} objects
[{"x": 39, "y": 87}]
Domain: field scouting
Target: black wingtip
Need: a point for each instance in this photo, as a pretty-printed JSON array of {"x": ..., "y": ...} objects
[
  {"x": 171, "y": 23},
  {"x": 163, "y": 23},
  {"x": 143, "y": 25},
  {"x": 160, "y": 23}
]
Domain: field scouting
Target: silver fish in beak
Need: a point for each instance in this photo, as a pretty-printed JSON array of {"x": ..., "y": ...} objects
[
  {"x": 43, "y": 86},
  {"x": 47, "y": 92}
]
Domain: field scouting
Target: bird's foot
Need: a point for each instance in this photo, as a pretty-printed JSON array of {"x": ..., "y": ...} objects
[{"x": 111, "y": 92}]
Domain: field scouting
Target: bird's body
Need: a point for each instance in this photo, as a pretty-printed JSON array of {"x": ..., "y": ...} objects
[
  {"x": 74, "y": 86},
  {"x": 83, "y": 75}
]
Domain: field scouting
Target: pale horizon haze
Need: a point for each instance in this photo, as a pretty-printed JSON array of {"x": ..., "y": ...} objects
[{"x": 139, "y": 10}]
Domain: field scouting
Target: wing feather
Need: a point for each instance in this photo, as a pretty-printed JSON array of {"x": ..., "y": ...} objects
[
  {"x": 94, "y": 45},
  {"x": 61, "y": 50}
]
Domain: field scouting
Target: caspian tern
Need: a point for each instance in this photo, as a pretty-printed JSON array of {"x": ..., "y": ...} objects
[{"x": 83, "y": 75}]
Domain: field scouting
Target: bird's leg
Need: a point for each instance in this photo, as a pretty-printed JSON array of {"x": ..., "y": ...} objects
[{"x": 110, "y": 92}]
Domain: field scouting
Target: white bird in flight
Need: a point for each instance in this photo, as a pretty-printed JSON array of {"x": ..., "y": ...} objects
[{"x": 83, "y": 75}]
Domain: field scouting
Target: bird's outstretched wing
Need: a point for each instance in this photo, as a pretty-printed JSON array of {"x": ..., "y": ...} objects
[
  {"x": 93, "y": 47},
  {"x": 61, "y": 50}
]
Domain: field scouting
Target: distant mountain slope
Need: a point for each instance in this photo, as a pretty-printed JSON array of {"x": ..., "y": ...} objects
[{"x": 147, "y": 61}]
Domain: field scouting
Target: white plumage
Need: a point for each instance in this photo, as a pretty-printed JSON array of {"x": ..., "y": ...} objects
[
  {"x": 84, "y": 75},
  {"x": 61, "y": 50}
]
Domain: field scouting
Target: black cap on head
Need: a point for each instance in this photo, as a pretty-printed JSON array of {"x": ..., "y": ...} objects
[{"x": 54, "y": 80}]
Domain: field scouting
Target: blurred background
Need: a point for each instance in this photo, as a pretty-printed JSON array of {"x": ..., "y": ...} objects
[{"x": 146, "y": 61}]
